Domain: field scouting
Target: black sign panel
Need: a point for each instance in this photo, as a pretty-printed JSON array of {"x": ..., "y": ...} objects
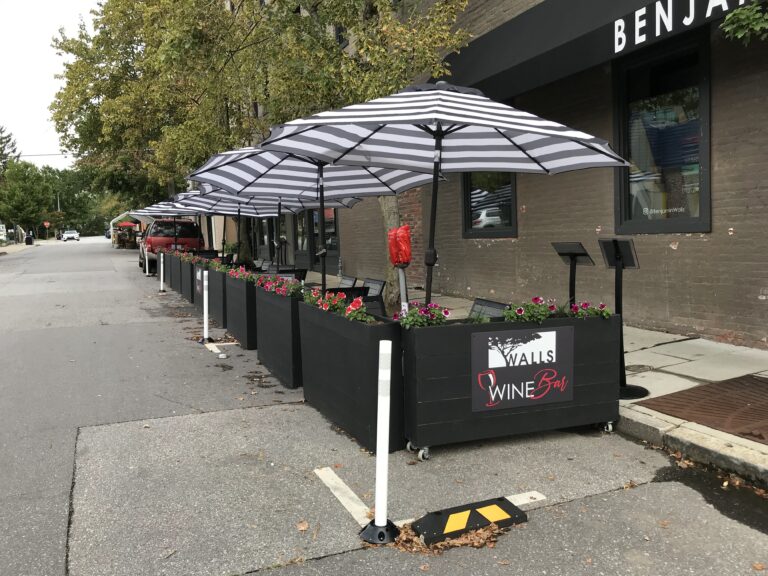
[{"x": 521, "y": 368}]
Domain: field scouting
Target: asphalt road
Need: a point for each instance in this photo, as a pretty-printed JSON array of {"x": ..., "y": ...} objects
[{"x": 128, "y": 448}]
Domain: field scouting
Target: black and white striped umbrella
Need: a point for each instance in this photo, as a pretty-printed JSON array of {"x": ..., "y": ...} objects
[
  {"x": 441, "y": 128},
  {"x": 164, "y": 210},
  {"x": 257, "y": 172},
  {"x": 209, "y": 195}
]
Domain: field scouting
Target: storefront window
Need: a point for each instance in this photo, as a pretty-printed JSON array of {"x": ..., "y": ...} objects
[
  {"x": 664, "y": 124},
  {"x": 331, "y": 236},
  {"x": 490, "y": 205}
]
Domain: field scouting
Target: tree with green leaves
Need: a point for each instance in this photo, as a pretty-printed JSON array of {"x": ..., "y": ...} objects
[
  {"x": 8, "y": 149},
  {"x": 25, "y": 196},
  {"x": 747, "y": 23},
  {"x": 160, "y": 85}
]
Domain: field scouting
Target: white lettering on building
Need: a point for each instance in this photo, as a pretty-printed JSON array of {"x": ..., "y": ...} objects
[
  {"x": 664, "y": 16},
  {"x": 639, "y": 25},
  {"x": 664, "y": 20}
]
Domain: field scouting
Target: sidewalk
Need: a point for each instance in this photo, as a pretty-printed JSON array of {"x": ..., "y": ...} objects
[
  {"x": 13, "y": 248},
  {"x": 663, "y": 364}
]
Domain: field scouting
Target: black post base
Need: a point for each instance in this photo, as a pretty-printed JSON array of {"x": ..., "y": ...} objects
[
  {"x": 380, "y": 534},
  {"x": 632, "y": 392},
  {"x": 205, "y": 340}
]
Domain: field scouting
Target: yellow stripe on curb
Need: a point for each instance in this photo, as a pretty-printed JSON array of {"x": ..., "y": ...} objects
[
  {"x": 493, "y": 513},
  {"x": 457, "y": 521}
]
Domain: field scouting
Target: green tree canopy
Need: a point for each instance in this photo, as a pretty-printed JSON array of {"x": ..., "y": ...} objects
[
  {"x": 160, "y": 85},
  {"x": 25, "y": 195},
  {"x": 8, "y": 149}
]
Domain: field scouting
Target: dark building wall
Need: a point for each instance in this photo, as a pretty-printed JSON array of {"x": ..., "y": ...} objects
[
  {"x": 713, "y": 284},
  {"x": 363, "y": 248}
]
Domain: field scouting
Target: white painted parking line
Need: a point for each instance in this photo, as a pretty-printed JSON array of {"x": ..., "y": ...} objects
[
  {"x": 359, "y": 511},
  {"x": 362, "y": 514},
  {"x": 213, "y": 348},
  {"x": 526, "y": 498}
]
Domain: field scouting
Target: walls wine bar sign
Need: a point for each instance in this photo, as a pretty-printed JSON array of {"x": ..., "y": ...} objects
[{"x": 521, "y": 368}]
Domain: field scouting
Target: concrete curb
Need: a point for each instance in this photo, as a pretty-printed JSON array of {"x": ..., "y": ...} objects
[{"x": 699, "y": 443}]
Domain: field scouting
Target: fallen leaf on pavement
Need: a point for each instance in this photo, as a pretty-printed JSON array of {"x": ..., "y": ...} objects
[
  {"x": 503, "y": 562},
  {"x": 424, "y": 567},
  {"x": 759, "y": 566},
  {"x": 337, "y": 466},
  {"x": 630, "y": 484},
  {"x": 302, "y": 526},
  {"x": 664, "y": 523}
]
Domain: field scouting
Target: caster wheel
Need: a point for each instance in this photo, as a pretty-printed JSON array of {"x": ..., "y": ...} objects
[
  {"x": 410, "y": 447},
  {"x": 423, "y": 454},
  {"x": 608, "y": 427}
]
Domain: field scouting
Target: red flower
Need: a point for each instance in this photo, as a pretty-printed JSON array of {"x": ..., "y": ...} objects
[
  {"x": 585, "y": 305},
  {"x": 325, "y": 306},
  {"x": 520, "y": 311},
  {"x": 552, "y": 307},
  {"x": 602, "y": 306},
  {"x": 574, "y": 308},
  {"x": 356, "y": 303},
  {"x": 537, "y": 300}
]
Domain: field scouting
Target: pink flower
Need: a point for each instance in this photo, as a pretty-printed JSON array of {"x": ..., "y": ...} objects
[
  {"x": 574, "y": 308},
  {"x": 537, "y": 300},
  {"x": 585, "y": 305},
  {"x": 520, "y": 311},
  {"x": 356, "y": 303},
  {"x": 601, "y": 306},
  {"x": 551, "y": 307},
  {"x": 446, "y": 312},
  {"x": 396, "y": 316}
]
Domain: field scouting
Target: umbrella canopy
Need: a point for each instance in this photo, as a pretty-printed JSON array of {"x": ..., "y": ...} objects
[
  {"x": 164, "y": 210},
  {"x": 441, "y": 128},
  {"x": 257, "y": 172}
]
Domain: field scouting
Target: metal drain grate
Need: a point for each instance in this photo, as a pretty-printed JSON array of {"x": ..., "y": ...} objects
[{"x": 738, "y": 406}]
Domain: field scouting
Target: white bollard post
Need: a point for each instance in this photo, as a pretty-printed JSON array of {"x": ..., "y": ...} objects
[
  {"x": 205, "y": 306},
  {"x": 146, "y": 264},
  {"x": 381, "y": 530},
  {"x": 162, "y": 271}
]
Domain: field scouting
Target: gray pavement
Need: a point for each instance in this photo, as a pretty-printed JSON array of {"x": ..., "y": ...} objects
[
  {"x": 86, "y": 340},
  {"x": 177, "y": 462}
]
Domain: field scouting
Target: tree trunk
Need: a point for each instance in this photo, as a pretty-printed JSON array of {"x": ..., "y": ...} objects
[{"x": 391, "y": 217}]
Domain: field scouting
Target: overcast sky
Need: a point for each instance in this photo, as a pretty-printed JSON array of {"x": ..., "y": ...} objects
[{"x": 27, "y": 68}]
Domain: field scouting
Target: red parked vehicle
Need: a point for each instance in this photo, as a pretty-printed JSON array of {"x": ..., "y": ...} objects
[{"x": 169, "y": 235}]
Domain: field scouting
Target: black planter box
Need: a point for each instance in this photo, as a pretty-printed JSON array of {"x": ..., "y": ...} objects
[
  {"x": 175, "y": 268},
  {"x": 217, "y": 297},
  {"x": 439, "y": 383},
  {"x": 241, "y": 311},
  {"x": 277, "y": 329},
  {"x": 188, "y": 281},
  {"x": 339, "y": 362}
]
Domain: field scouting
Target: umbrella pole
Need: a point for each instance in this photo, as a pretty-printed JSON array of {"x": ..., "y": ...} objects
[
  {"x": 277, "y": 240},
  {"x": 238, "y": 235},
  {"x": 430, "y": 256},
  {"x": 323, "y": 251}
]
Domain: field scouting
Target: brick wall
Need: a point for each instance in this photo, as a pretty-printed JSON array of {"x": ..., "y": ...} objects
[{"x": 713, "y": 284}]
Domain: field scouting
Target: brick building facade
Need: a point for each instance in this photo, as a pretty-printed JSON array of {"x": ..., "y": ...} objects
[{"x": 712, "y": 282}]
